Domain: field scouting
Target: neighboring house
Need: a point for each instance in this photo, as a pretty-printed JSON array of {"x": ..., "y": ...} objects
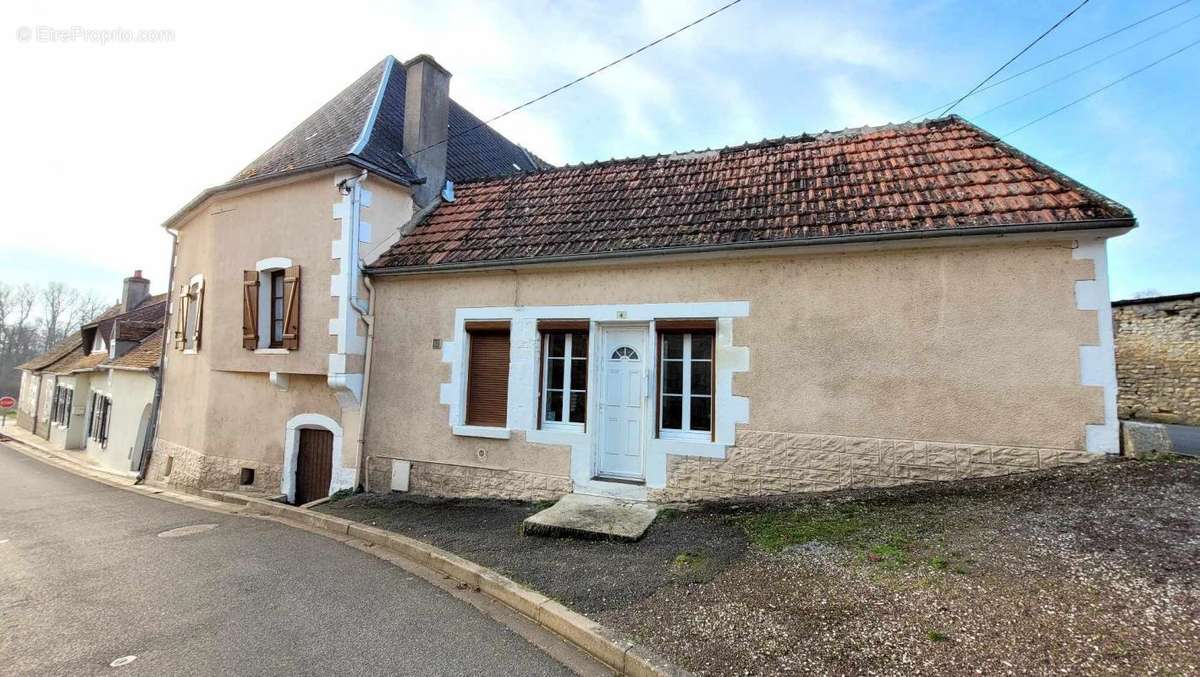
[
  {"x": 1158, "y": 358},
  {"x": 264, "y": 379},
  {"x": 863, "y": 308},
  {"x": 95, "y": 390}
]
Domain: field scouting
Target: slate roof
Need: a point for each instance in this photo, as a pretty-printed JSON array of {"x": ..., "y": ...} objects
[
  {"x": 909, "y": 180},
  {"x": 332, "y": 131}
]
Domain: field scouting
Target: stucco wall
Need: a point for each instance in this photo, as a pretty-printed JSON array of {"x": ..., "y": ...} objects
[
  {"x": 968, "y": 345},
  {"x": 131, "y": 392},
  {"x": 220, "y": 411},
  {"x": 1158, "y": 360}
]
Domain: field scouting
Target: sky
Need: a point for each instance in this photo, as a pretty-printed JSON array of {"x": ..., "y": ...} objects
[{"x": 106, "y": 134}]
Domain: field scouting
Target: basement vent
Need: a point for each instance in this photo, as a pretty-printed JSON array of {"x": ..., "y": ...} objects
[
  {"x": 167, "y": 467},
  {"x": 247, "y": 477}
]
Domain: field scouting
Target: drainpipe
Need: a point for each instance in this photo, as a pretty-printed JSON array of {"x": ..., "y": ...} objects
[
  {"x": 353, "y": 187},
  {"x": 369, "y": 319},
  {"x": 156, "y": 409}
]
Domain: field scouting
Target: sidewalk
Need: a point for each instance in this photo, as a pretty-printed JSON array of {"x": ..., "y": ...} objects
[{"x": 77, "y": 458}]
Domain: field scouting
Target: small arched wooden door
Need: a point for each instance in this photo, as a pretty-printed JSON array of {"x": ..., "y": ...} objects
[{"x": 314, "y": 465}]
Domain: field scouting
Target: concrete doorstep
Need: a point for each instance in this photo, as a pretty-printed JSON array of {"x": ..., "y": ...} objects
[
  {"x": 596, "y": 517},
  {"x": 603, "y": 644}
]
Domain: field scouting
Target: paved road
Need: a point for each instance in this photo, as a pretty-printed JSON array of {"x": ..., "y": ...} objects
[
  {"x": 1185, "y": 438},
  {"x": 85, "y": 579}
]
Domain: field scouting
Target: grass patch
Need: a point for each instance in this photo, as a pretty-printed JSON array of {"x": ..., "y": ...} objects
[
  {"x": 774, "y": 531},
  {"x": 340, "y": 494},
  {"x": 937, "y": 636},
  {"x": 689, "y": 560}
]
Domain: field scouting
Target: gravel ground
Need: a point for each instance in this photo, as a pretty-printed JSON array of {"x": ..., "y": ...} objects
[
  {"x": 1089, "y": 570},
  {"x": 588, "y": 576}
]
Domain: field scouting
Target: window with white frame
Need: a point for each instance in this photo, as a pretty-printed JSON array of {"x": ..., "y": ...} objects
[
  {"x": 61, "y": 409},
  {"x": 101, "y": 413},
  {"x": 686, "y": 372},
  {"x": 564, "y": 379}
]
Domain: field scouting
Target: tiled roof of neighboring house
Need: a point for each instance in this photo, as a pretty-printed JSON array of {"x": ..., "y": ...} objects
[
  {"x": 152, "y": 309},
  {"x": 142, "y": 324},
  {"x": 333, "y": 130},
  {"x": 132, "y": 330},
  {"x": 942, "y": 176},
  {"x": 54, "y": 354},
  {"x": 144, "y": 356}
]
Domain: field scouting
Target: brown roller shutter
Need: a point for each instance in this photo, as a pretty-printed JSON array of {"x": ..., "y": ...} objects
[
  {"x": 487, "y": 377},
  {"x": 250, "y": 309},
  {"x": 686, "y": 326},
  {"x": 291, "y": 308},
  {"x": 563, "y": 325}
]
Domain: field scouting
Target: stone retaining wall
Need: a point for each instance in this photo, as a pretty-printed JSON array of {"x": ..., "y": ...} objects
[
  {"x": 766, "y": 463},
  {"x": 442, "y": 479},
  {"x": 1158, "y": 359},
  {"x": 193, "y": 470}
]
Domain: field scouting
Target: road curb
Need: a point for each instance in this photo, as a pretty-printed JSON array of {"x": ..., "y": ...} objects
[{"x": 600, "y": 642}]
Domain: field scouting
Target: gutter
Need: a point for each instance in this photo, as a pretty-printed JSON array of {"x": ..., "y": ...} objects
[
  {"x": 156, "y": 412},
  {"x": 998, "y": 231}
]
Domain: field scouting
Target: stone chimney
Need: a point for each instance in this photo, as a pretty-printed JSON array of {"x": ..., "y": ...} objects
[
  {"x": 426, "y": 123},
  {"x": 136, "y": 289}
]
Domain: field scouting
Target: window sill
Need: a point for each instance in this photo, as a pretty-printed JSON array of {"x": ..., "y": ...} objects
[
  {"x": 190, "y": 351},
  {"x": 557, "y": 427},
  {"x": 271, "y": 351},
  {"x": 482, "y": 431},
  {"x": 685, "y": 436}
]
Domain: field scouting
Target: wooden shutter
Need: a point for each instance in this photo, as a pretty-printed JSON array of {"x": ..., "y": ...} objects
[
  {"x": 199, "y": 318},
  {"x": 291, "y": 308},
  {"x": 487, "y": 378},
  {"x": 181, "y": 317},
  {"x": 250, "y": 309}
]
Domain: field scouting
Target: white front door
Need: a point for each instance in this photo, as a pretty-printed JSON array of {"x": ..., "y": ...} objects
[{"x": 622, "y": 401}]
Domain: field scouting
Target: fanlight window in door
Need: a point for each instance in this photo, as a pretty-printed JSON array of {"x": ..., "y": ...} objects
[{"x": 624, "y": 353}]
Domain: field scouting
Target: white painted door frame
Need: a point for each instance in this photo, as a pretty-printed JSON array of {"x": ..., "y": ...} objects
[{"x": 600, "y": 376}]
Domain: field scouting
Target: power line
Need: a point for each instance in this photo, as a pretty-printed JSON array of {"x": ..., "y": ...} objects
[
  {"x": 579, "y": 79},
  {"x": 1080, "y": 70},
  {"x": 1017, "y": 56},
  {"x": 1052, "y": 59},
  {"x": 1101, "y": 89}
]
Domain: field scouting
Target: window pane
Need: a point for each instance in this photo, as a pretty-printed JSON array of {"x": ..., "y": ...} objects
[
  {"x": 579, "y": 345},
  {"x": 578, "y": 407},
  {"x": 672, "y": 377},
  {"x": 702, "y": 378},
  {"x": 672, "y": 412},
  {"x": 554, "y": 373},
  {"x": 702, "y": 346},
  {"x": 673, "y": 345},
  {"x": 578, "y": 374},
  {"x": 558, "y": 344},
  {"x": 701, "y": 413},
  {"x": 554, "y": 400}
]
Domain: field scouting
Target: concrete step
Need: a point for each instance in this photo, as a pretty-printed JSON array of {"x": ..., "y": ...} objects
[{"x": 592, "y": 517}]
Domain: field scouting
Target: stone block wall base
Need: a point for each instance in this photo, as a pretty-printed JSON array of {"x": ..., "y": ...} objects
[
  {"x": 193, "y": 470},
  {"x": 1140, "y": 440},
  {"x": 768, "y": 463},
  {"x": 439, "y": 479}
]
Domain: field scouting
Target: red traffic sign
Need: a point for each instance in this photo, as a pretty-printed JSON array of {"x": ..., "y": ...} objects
[{"x": 8, "y": 402}]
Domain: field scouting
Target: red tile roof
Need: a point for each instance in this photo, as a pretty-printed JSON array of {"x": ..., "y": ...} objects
[
  {"x": 144, "y": 356},
  {"x": 912, "y": 179}
]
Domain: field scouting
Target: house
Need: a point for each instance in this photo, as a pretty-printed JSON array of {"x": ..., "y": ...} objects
[
  {"x": 1158, "y": 358},
  {"x": 264, "y": 376},
  {"x": 94, "y": 390},
  {"x": 868, "y": 307}
]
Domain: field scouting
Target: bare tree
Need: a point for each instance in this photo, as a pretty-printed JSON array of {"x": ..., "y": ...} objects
[
  {"x": 1146, "y": 294},
  {"x": 32, "y": 320}
]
